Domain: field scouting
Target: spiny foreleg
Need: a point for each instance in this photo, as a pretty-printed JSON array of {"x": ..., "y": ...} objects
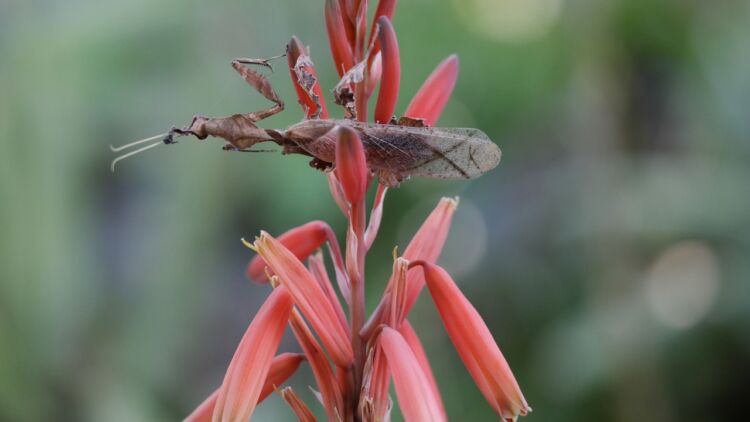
[
  {"x": 261, "y": 84},
  {"x": 239, "y": 130}
]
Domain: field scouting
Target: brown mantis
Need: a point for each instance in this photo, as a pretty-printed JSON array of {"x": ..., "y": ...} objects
[{"x": 394, "y": 152}]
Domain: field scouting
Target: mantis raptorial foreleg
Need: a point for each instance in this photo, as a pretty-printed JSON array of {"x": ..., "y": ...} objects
[{"x": 239, "y": 129}]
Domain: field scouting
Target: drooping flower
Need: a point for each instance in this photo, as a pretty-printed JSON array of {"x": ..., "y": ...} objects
[
  {"x": 475, "y": 344},
  {"x": 353, "y": 361}
]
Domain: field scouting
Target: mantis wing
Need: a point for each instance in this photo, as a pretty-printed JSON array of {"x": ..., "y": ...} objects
[{"x": 441, "y": 153}]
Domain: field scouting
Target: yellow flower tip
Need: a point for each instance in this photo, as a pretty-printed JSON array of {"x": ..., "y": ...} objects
[
  {"x": 395, "y": 252},
  {"x": 248, "y": 245}
]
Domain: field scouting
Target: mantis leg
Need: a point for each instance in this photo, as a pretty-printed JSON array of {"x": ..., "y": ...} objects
[
  {"x": 261, "y": 84},
  {"x": 239, "y": 129}
]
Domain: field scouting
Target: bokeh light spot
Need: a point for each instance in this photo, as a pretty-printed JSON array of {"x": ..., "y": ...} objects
[
  {"x": 510, "y": 20},
  {"x": 682, "y": 284},
  {"x": 467, "y": 241}
]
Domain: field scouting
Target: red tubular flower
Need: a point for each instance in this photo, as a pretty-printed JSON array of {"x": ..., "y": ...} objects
[
  {"x": 351, "y": 165},
  {"x": 374, "y": 403},
  {"x": 282, "y": 367},
  {"x": 318, "y": 269},
  {"x": 410, "y": 336},
  {"x": 205, "y": 410},
  {"x": 428, "y": 243},
  {"x": 300, "y": 409},
  {"x": 308, "y": 296},
  {"x": 396, "y": 320},
  {"x": 345, "y": 6},
  {"x": 305, "y": 80},
  {"x": 475, "y": 345},
  {"x": 428, "y": 103},
  {"x": 415, "y": 397},
  {"x": 302, "y": 241},
  {"x": 374, "y": 60},
  {"x": 384, "y": 8},
  {"x": 360, "y": 24},
  {"x": 343, "y": 58},
  {"x": 249, "y": 368},
  {"x": 324, "y": 377},
  {"x": 425, "y": 245},
  {"x": 391, "y": 77},
  {"x": 398, "y": 292}
]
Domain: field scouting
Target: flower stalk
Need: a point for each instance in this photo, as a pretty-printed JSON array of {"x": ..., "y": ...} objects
[{"x": 353, "y": 360}]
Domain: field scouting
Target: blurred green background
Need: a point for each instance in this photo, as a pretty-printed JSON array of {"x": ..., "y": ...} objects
[{"x": 608, "y": 253}]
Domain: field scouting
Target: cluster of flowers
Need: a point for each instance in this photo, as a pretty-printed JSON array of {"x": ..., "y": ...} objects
[{"x": 353, "y": 360}]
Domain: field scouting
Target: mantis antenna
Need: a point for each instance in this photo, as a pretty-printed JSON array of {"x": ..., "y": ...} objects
[
  {"x": 161, "y": 140},
  {"x": 132, "y": 144},
  {"x": 138, "y": 151}
]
